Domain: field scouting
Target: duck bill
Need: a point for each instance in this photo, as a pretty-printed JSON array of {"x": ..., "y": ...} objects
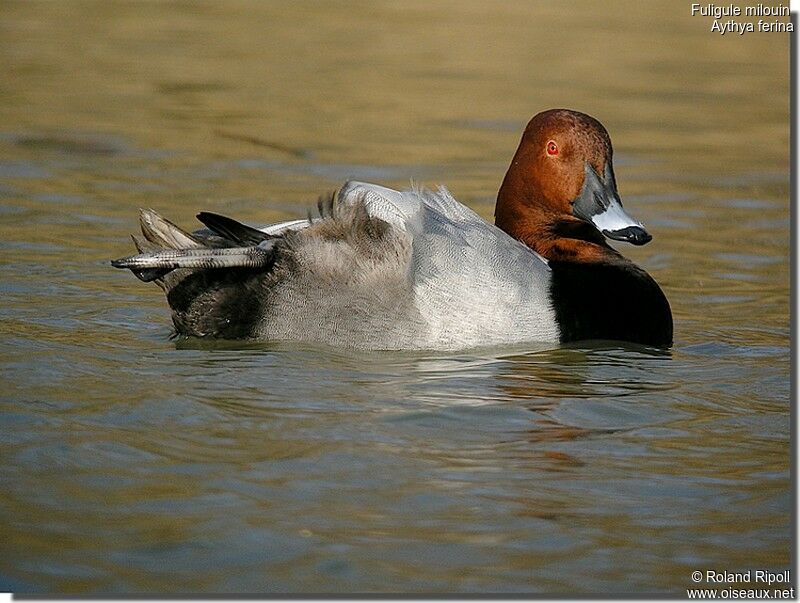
[{"x": 599, "y": 204}]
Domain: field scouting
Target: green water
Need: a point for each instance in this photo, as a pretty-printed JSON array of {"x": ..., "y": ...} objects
[{"x": 135, "y": 464}]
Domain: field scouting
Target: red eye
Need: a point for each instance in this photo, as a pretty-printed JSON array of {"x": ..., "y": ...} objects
[{"x": 552, "y": 148}]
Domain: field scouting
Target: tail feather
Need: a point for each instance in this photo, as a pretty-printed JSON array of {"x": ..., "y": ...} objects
[
  {"x": 152, "y": 265},
  {"x": 233, "y": 230},
  {"x": 165, "y": 247},
  {"x": 142, "y": 244},
  {"x": 163, "y": 233},
  {"x": 327, "y": 204}
]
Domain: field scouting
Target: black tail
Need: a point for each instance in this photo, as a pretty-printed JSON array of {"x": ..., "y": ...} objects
[
  {"x": 229, "y": 228},
  {"x": 166, "y": 247}
]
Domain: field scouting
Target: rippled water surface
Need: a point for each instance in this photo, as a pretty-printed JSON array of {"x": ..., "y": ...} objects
[{"x": 135, "y": 463}]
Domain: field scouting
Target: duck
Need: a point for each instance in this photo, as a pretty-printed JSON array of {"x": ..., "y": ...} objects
[{"x": 378, "y": 268}]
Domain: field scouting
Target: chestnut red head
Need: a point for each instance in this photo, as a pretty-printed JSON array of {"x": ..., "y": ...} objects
[{"x": 563, "y": 167}]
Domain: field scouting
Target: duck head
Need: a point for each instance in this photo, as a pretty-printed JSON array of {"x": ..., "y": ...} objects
[{"x": 560, "y": 196}]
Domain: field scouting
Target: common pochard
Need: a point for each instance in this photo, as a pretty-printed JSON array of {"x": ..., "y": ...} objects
[{"x": 415, "y": 269}]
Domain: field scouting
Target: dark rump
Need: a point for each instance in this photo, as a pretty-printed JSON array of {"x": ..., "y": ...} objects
[{"x": 224, "y": 303}]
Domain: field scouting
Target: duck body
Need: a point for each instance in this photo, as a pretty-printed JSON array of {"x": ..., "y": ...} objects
[
  {"x": 380, "y": 269},
  {"x": 415, "y": 269}
]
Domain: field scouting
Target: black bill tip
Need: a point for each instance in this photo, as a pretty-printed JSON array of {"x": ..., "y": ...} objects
[{"x": 635, "y": 235}]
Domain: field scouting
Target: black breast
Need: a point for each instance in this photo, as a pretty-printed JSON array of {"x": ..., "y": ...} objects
[{"x": 617, "y": 301}]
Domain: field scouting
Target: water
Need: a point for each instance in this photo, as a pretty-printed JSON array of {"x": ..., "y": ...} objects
[{"x": 133, "y": 463}]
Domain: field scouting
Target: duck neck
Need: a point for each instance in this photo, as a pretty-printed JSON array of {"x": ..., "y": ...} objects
[
  {"x": 584, "y": 270},
  {"x": 554, "y": 236}
]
